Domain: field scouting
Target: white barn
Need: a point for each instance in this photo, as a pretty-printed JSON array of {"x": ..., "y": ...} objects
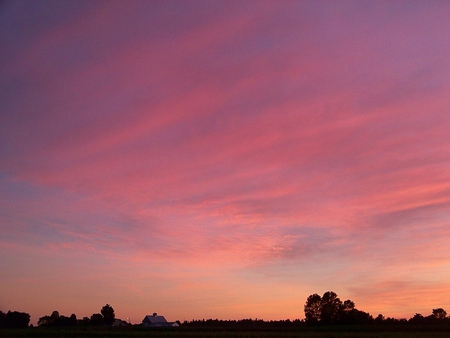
[{"x": 157, "y": 321}]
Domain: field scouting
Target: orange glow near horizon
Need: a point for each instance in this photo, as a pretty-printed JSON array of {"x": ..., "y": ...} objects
[{"x": 224, "y": 160}]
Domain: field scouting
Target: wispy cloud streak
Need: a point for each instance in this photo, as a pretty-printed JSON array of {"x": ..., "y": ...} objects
[{"x": 190, "y": 146}]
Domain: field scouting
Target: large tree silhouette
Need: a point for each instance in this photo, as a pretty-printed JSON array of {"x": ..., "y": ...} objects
[
  {"x": 108, "y": 314},
  {"x": 313, "y": 308},
  {"x": 329, "y": 309},
  {"x": 16, "y": 319}
]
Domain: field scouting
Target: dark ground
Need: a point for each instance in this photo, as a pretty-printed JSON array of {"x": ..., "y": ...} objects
[{"x": 318, "y": 332}]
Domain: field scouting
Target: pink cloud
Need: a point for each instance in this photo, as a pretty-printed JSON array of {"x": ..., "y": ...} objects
[{"x": 275, "y": 140}]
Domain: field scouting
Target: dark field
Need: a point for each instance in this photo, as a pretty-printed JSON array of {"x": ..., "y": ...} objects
[{"x": 338, "y": 332}]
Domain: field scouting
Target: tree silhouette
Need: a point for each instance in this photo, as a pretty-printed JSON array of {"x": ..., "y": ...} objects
[
  {"x": 313, "y": 308},
  {"x": 348, "y": 305},
  {"x": 73, "y": 319},
  {"x": 2, "y": 319},
  {"x": 380, "y": 318},
  {"x": 330, "y": 307},
  {"x": 45, "y": 321},
  {"x": 439, "y": 313},
  {"x": 15, "y": 319},
  {"x": 417, "y": 319},
  {"x": 55, "y": 315},
  {"x": 55, "y": 319},
  {"x": 96, "y": 319},
  {"x": 354, "y": 316},
  {"x": 108, "y": 314}
]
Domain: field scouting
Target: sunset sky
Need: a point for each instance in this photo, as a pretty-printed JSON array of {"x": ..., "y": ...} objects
[{"x": 224, "y": 159}]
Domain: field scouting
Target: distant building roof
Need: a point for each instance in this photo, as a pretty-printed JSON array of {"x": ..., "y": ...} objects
[{"x": 156, "y": 321}]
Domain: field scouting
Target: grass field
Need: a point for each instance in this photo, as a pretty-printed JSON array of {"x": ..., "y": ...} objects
[{"x": 177, "y": 333}]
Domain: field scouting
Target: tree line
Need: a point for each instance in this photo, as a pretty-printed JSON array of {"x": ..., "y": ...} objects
[
  {"x": 329, "y": 309},
  {"x": 105, "y": 317},
  {"x": 15, "y": 319}
]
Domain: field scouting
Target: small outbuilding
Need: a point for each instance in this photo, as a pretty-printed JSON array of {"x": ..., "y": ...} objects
[
  {"x": 119, "y": 322},
  {"x": 157, "y": 321}
]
